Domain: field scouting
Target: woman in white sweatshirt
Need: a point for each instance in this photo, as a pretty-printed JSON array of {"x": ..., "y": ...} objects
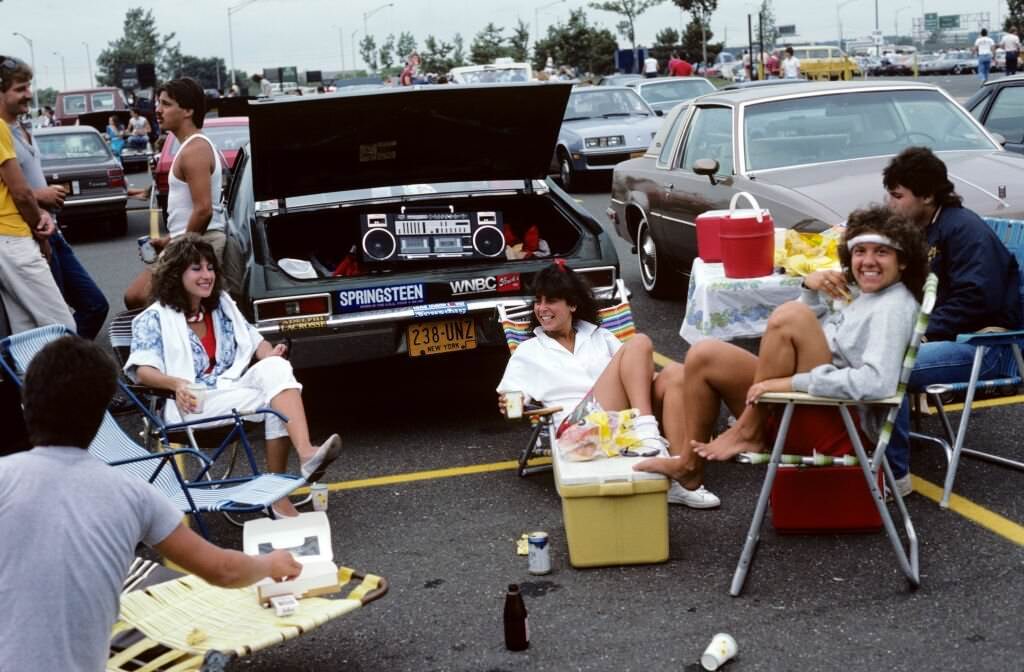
[{"x": 855, "y": 352}]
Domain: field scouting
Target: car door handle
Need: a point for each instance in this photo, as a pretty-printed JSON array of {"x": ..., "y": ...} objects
[{"x": 669, "y": 186}]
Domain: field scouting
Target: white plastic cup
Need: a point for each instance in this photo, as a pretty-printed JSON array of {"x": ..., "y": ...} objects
[
  {"x": 319, "y": 493},
  {"x": 721, "y": 649},
  {"x": 198, "y": 390},
  {"x": 513, "y": 405}
]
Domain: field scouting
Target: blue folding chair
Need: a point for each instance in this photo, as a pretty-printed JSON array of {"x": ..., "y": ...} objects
[
  {"x": 200, "y": 494},
  {"x": 1011, "y": 232}
]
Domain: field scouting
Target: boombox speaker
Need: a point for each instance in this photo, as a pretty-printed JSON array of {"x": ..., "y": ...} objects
[{"x": 418, "y": 236}]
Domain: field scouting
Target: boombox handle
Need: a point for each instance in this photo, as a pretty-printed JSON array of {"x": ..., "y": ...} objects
[{"x": 425, "y": 209}]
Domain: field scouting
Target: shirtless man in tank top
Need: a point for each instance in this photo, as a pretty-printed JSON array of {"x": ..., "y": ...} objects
[{"x": 193, "y": 198}]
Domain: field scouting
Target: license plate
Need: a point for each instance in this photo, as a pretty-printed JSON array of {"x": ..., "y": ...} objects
[{"x": 440, "y": 336}]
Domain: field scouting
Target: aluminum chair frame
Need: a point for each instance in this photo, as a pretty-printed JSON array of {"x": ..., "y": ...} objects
[
  {"x": 112, "y": 445},
  {"x": 907, "y": 558},
  {"x": 1011, "y": 232}
]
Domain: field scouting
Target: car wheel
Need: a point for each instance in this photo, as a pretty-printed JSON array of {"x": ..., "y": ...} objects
[
  {"x": 566, "y": 173},
  {"x": 957, "y": 70},
  {"x": 656, "y": 274},
  {"x": 118, "y": 225}
]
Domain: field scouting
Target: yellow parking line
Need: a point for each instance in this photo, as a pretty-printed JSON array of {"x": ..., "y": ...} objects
[
  {"x": 984, "y": 403},
  {"x": 661, "y": 360},
  {"x": 976, "y": 514},
  {"x": 508, "y": 465}
]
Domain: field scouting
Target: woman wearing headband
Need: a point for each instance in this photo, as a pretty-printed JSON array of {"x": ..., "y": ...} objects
[
  {"x": 855, "y": 352},
  {"x": 571, "y": 356}
]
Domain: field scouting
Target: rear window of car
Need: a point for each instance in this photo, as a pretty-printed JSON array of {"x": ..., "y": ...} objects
[
  {"x": 225, "y": 138},
  {"x": 71, "y": 146},
  {"x": 600, "y": 103},
  {"x": 839, "y": 127},
  {"x": 684, "y": 89},
  {"x": 102, "y": 101},
  {"x": 75, "y": 104}
]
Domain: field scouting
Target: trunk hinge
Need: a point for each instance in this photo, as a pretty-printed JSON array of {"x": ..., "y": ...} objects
[
  {"x": 528, "y": 186},
  {"x": 281, "y": 209}
]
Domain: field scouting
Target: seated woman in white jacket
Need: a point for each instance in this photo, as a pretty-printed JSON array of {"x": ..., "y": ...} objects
[
  {"x": 571, "y": 355},
  {"x": 194, "y": 333},
  {"x": 853, "y": 353}
]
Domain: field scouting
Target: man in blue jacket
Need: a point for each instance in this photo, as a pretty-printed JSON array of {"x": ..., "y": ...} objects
[{"x": 978, "y": 284}]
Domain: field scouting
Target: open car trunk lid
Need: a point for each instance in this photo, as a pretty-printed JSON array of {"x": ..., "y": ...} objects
[{"x": 345, "y": 141}]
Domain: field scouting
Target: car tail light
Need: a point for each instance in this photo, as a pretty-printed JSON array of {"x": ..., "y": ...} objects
[
  {"x": 283, "y": 309},
  {"x": 115, "y": 177},
  {"x": 601, "y": 278}
]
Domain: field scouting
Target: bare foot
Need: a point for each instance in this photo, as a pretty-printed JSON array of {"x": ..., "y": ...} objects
[
  {"x": 285, "y": 509},
  {"x": 729, "y": 444}
]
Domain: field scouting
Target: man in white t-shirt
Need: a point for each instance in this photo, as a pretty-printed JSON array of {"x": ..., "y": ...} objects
[
  {"x": 71, "y": 523},
  {"x": 1011, "y": 45},
  {"x": 984, "y": 47},
  {"x": 650, "y": 67},
  {"x": 790, "y": 65}
]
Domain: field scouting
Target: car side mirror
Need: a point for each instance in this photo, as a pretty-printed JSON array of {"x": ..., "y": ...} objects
[
  {"x": 707, "y": 167},
  {"x": 999, "y": 137}
]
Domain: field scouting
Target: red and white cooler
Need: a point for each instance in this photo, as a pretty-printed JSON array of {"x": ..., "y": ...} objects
[{"x": 743, "y": 240}]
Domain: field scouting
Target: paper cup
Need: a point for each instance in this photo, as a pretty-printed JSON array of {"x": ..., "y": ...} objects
[
  {"x": 198, "y": 390},
  {"x": 513, "y": 405},
  {"x": 721, "y": 649},
  {"x": 319, "y": 493}
]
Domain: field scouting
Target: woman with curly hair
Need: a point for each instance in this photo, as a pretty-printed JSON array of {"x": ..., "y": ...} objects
[
  {"x": 571, "y": 356},
  {"x": 855, "y": 352},
  {"x": 194, "y": 333}
]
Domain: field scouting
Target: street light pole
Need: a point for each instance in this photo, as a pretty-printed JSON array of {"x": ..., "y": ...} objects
[
  {"x": 231, "y": 39},
  {"x": 341, "y": 49},
  {"x": 88, "y": 59},
  {"x": 32, "y": 59},
  {"x": 839, "y": 19},
  {"x": 63, "y": 68},
  {"x": 536, "y": 19},
  {"x": 352, "y": 39},
  {"x": 367, "y": 15}
]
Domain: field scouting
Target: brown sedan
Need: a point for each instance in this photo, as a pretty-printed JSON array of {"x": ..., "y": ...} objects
[{"x": 809, "y": 152}]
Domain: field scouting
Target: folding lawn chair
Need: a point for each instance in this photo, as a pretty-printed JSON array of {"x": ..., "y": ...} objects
[
  {"x": 616, "y": 317},
  {"x": 1011, "y": 232},
  {"x": 112, "y": 445},
  {"x": 186, "y": 624},
  {"x": 908, "y": 559}
]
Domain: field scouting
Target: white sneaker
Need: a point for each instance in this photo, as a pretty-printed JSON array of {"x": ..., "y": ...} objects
[
  {"x": 904, "y": 486},
  {"x": 649, "y": 441},
  {"x": 701, "y": 498},
  {"x": 313, "y": 469}
]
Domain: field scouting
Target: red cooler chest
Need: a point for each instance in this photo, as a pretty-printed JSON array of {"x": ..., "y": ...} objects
[
  {"x": 747, "y": 240},
  {"x": 823, "y": 499}
]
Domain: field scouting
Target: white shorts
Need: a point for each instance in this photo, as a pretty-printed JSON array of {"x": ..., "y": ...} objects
[{"x": 27, "y": 287}]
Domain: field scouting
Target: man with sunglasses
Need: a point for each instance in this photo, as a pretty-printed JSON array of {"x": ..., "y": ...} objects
[{"x": 27, "y": 288}]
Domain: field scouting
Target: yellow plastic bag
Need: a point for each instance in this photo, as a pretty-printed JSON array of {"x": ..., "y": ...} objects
[{"x": 805, "y": 253}]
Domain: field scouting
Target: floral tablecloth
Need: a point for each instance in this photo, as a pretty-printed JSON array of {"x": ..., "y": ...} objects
[{"x": 728, "y": 308}]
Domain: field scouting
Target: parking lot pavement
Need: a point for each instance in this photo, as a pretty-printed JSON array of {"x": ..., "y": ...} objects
[{"x": 425, "y": 495}]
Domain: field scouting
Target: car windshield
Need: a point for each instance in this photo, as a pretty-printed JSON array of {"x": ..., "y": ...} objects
[
  {"x": 493, "y": 75},
  {"x": 225, "y": 138},
  {"x": 845, "y": 126},
  {"x": 597, "y": 103},
  {"x": 682, "y": 89},
  {"x": 71, "y": 146}
]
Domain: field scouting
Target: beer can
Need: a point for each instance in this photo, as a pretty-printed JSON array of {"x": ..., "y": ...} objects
[
  {"x": 319, "y": 493},
  {"x": 539, "y": 553}
]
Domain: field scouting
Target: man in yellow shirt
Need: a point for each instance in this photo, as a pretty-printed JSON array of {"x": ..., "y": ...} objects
[{"x": 27, "y": 288}]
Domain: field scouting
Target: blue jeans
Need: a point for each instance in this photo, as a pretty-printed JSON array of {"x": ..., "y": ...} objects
[
  {"x": 79, "y": 290},
  {"x": 984, "y": 67},
  {"x": 941, "y": 362}
]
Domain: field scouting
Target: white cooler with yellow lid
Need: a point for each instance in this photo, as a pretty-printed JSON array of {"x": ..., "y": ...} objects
[{"x": 613, "y": 515}]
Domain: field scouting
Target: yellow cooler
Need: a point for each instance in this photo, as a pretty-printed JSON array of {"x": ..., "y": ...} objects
[{"x": 613, "y": 515}]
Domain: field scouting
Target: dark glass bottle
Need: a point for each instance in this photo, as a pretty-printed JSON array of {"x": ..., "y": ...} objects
[{"x": 517, "y": 625}]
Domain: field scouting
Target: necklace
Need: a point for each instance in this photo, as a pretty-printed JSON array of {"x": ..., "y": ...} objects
[{"x": 197, "y": 316}]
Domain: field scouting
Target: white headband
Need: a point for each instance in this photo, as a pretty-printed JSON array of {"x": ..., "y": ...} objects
[{"x": 872, "y": 238}]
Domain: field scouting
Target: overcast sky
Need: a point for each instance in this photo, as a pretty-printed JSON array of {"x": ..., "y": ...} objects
[{"x": 305, "y": 33}]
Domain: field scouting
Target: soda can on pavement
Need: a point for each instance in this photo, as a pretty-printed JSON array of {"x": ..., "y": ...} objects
[
  {"x": 539, "y": 553},
  {"x": 319, "y": 493}
]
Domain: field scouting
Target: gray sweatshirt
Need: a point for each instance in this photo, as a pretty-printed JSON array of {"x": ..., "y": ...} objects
[{"x": 868, "y": 338}]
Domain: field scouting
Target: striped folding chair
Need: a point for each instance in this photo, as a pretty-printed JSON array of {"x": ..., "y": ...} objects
[
  {"x": 907, "y": 557},
  {"x": 1002, "y": 389},
  {"x": 616, "y": 317},
  {"x": 255, "y": 492}
]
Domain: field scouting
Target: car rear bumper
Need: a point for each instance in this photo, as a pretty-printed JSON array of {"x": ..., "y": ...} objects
[
  {"x": 603, "y": 161},
  {"x": 92, "y": 207}
]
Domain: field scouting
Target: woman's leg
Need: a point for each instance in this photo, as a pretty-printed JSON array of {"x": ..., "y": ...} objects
[
  {"x": 691, "y": 397},
  {"x": 793, "y": 342},
  {"x": 626, "y": 381},
  {"x": 289, "y": 403}
]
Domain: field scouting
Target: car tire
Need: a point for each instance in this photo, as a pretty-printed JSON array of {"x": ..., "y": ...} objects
[
  {"x": 567, "y": 175},
  {"x": 957, "y": 70},
  {"x": 658, "y": 276},
  {"x": 118, "y": 225}
]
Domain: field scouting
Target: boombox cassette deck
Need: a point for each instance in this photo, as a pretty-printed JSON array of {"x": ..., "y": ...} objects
[{"x": 432, "y": 235}]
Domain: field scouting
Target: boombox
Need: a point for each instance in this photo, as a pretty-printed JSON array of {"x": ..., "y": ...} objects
[{"x": 433, "y": 235}]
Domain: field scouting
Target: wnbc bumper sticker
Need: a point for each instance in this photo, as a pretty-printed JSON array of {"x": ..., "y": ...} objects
[
  {"x": 507, "y": 282},
  {"x": 369, "y": 298}
]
